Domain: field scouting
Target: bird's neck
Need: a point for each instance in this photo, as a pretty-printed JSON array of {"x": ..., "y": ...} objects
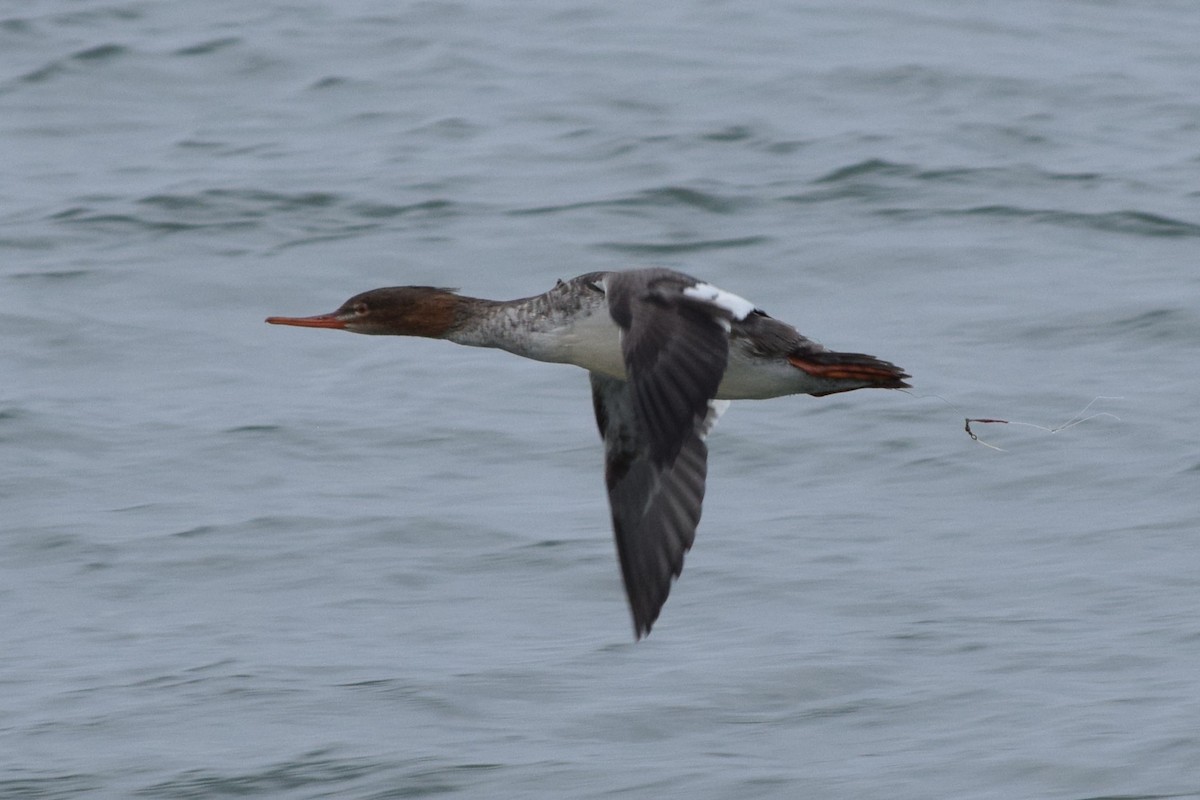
[
  {"x": 504, "y": 324},
  {"x": 544, "y": 328}
]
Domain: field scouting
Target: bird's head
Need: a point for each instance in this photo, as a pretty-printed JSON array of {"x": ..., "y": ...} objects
[{"x": 395, "y": 310}]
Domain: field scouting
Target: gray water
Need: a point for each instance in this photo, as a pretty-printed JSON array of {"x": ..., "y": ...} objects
[{"x": 238, "y": 560}]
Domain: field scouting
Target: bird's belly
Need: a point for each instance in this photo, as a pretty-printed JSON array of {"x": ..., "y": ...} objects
[{"x": 753, "y": 378}]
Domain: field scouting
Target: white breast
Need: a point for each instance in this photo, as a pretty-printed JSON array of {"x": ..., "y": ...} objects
[
  {"x": 588, "y": 339},
  {"x": 594, "y": 343}
]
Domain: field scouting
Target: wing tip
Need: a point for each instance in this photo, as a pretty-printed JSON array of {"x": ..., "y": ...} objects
[{"x": 644, "y": 621}]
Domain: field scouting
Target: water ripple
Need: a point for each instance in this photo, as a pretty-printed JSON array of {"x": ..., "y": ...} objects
[
  {"x": 210, "y": 46},
  {"x": 662, "y": 197},
  {"x": 1154, "y": 325},
  {"x": 320, "y": 213},
  {"x": 314, "y": 769},
  {"x": 871, "y": 166},
  {"x": 675, "y": 248},
  {"x": 880, "y": 168},
  {"x": 1138, "y": 223},
  {"x": 319, "y": 769},
  {"x": 49, "y": 786},
  {"x": 90, "y": 56}
]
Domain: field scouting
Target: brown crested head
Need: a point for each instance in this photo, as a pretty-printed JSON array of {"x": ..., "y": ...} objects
[{"x": 395, "y": 311}]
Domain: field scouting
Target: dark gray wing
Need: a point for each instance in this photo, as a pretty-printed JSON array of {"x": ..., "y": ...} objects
[
  {"x": 675, "y": 349},
  {"x": 655, "y": 506}
]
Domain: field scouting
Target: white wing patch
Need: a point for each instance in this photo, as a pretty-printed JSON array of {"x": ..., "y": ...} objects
[
  {"x": 715, "y": 409},
  {"x": 739, "y": 307}
]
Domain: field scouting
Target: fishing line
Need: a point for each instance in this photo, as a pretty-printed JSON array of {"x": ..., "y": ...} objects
[{"x": 1079, "y": 418}]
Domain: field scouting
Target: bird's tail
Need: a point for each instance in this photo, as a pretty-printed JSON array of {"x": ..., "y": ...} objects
[{"x": 849, "y": 371}]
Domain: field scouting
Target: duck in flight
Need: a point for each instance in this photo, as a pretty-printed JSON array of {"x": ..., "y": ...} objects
[{"x": 666, "y": 353}]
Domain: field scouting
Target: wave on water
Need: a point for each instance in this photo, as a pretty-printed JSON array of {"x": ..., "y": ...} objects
[
  {"x": 83, "y": 59},
  {"x": 321, "y": 213},
  {"x": 661, "y": 197},
  {"x": 675, "y": 248},
  {"x": 1139, "y": 223},
  {"x": 50, "y": 786},
  {"x": 1138, "y": 329},
  {"x": 206, "y": 47},
  {"x": 878, "y": 181},
  {"x": 418, "y": 777},
  {"x": 1024, "y": 175}
]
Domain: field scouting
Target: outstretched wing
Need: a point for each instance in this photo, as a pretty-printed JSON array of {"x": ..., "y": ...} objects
[
  {"x": 655, "y": 506},
  {"x": 675, "y": 345}
]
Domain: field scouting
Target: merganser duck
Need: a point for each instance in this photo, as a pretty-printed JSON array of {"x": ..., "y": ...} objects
[{"x": 666, "y": 353}]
